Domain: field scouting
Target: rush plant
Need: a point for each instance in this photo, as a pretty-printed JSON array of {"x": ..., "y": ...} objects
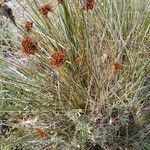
[{"x": 84, "y": 80}]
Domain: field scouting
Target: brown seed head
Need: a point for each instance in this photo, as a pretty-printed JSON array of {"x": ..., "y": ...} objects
[
  {"x": 44, "y": 10},
  {"x": 89, "y": 5},
  {"x": 57, "y": 59},
  {"x": 117, "y": 66},
  {"x": 29, "y": 46},
  {"x": 41, "y": 133},
  {"x": 28, "y": 26}
]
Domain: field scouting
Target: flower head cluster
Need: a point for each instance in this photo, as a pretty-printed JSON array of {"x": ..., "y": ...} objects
[
  {"x": 28, "y": 26},
  {"x": 29, "y": 46},
  {"x": 117, "y": 66},
  {"x": 57, "y": 59},
  {"x": 41, "y": 133},
  {"x": 45, "y": 9},
  {"x": 89, "y": 5}
]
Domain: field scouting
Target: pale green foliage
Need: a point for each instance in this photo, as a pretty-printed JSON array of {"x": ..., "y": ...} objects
[{"x": 83, "y": 105}]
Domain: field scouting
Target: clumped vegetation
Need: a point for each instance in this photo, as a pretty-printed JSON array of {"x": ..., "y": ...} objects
[{"x": 80, "y": 79}]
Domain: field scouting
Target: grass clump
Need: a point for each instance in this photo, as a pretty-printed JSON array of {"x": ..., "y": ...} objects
[{"x": 84, "y": 82}]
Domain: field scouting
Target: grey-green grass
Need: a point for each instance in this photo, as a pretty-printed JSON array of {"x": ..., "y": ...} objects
[{"x": 87, "y": 106}]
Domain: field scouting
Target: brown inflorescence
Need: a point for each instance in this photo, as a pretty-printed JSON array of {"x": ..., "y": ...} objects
[
  {"x": 89, "y": 5},
  {"x": 57, "y": 59},
  {"x": 28, "y": 26},
  {"x": 45, "y": 9},
  {"x": 41, "y": 133},
  {"x": 29, "y": 46},
  {"x": 117, "y": 66}
]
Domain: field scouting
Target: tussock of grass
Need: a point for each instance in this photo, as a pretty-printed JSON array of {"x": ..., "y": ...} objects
[{"x": 87, "y": 84}]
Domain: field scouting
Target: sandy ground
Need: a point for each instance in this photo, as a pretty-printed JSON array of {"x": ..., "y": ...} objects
[{"x": 17, "y": 10}]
